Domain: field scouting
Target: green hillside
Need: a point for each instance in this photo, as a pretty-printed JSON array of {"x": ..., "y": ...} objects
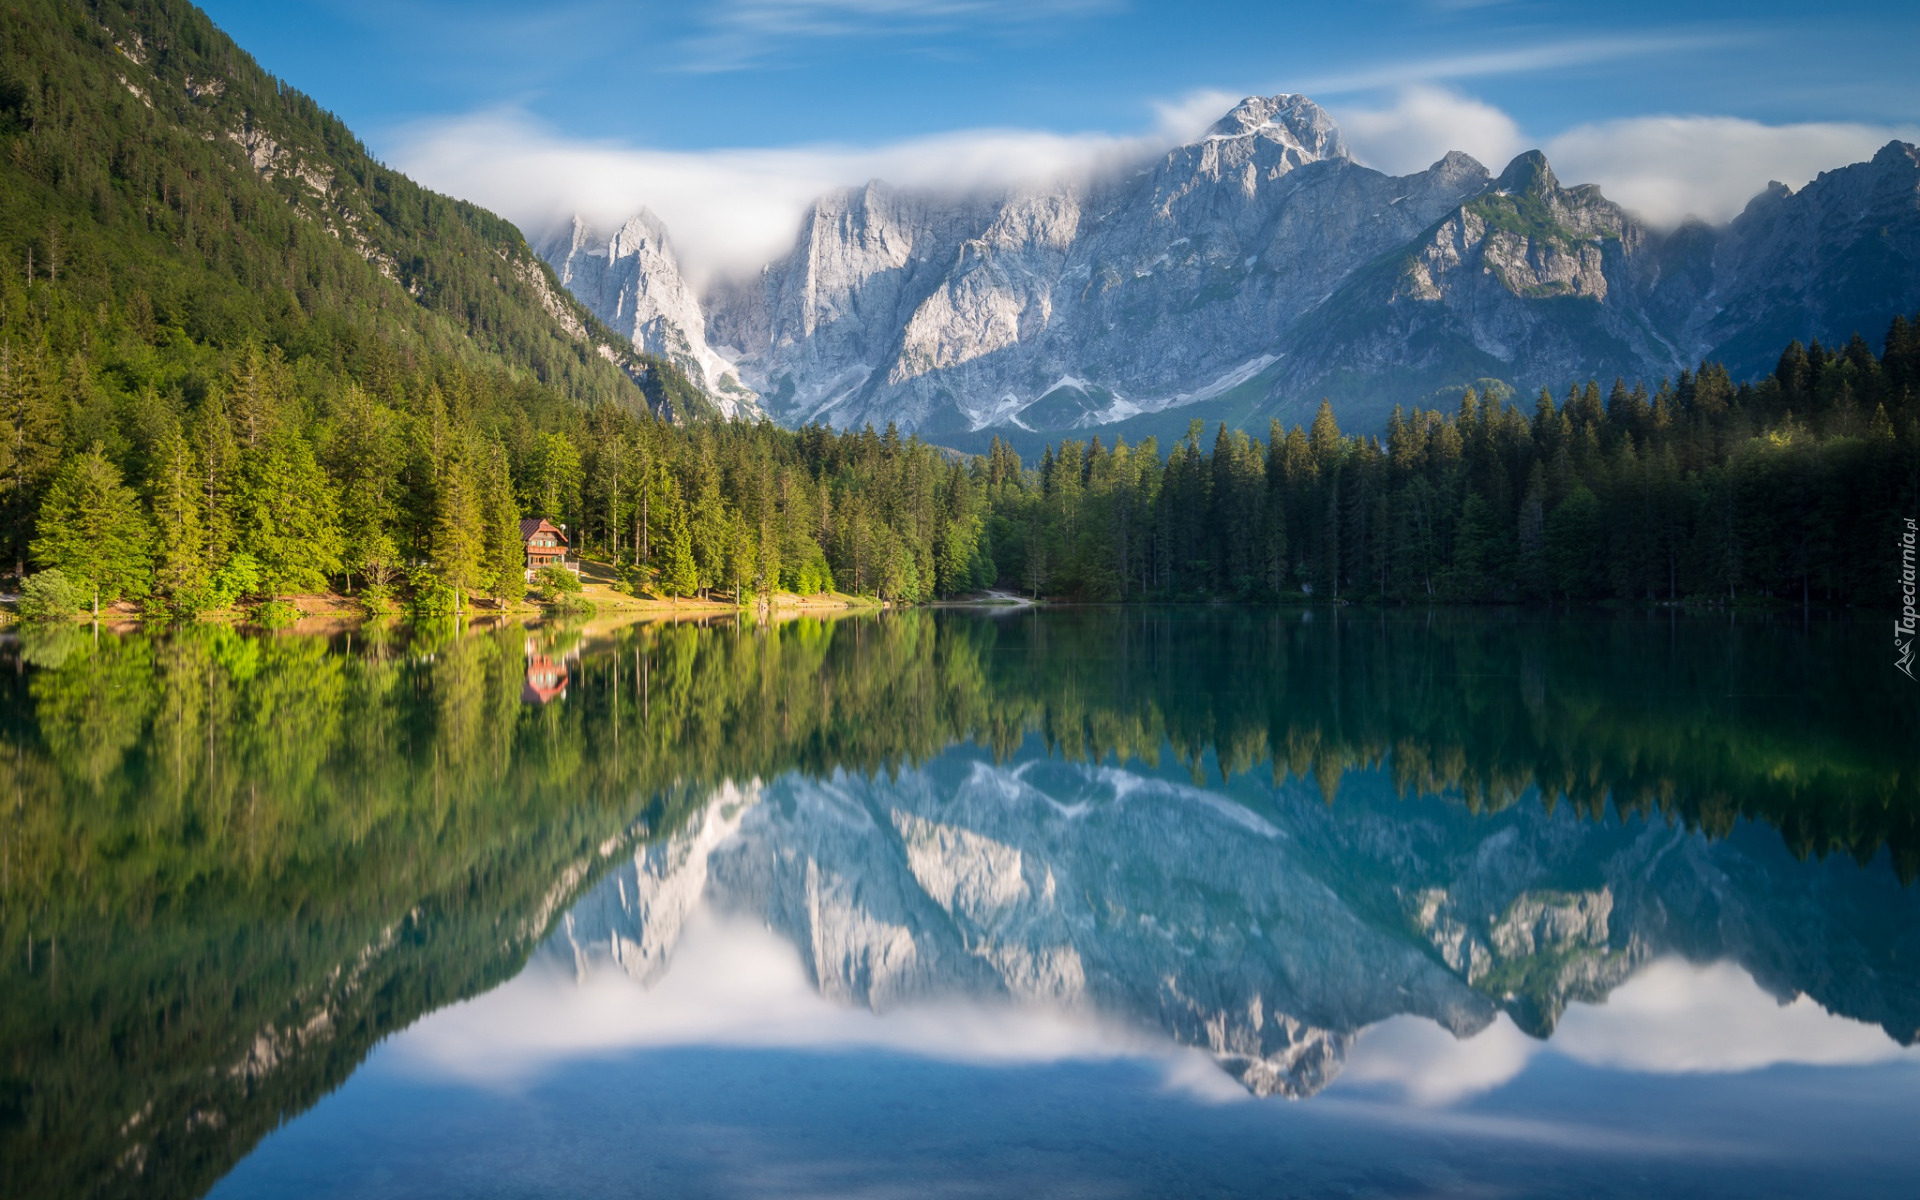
[{"x": 165, "y": 204}]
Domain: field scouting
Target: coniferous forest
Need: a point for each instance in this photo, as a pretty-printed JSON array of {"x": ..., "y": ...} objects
[{"x": 240, "y": 359}]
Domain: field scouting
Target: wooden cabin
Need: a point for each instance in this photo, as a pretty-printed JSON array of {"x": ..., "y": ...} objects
[{"x": 545, "y": 542}]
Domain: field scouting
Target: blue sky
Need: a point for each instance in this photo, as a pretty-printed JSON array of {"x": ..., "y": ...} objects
[{"x": 439, "y": 88}]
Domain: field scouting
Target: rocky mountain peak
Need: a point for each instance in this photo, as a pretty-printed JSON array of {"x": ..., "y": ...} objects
[
  {"x": 642, "y": 233},
  {"x": 1527, "y": 174},
  {"x": 1897, "y": 153},
  {"x": 632, "y": 281},
  {"x": 1457, "y": 171},
  {"x": 1288, "y": 117}
]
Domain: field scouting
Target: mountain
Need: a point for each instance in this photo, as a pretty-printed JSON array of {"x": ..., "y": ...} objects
[
  {"x": 1247, "y": 274},
  {"x": 634, "y": 279}
]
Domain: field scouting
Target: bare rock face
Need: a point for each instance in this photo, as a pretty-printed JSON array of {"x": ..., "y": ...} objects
[
  {"x": 1838, "y": 257},
  {"x": 1246, "y": 275},
  {"x": 632, "y": 281}
]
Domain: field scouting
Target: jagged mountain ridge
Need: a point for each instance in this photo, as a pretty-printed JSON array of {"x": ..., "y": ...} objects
[
  {"x": 1267, "y": 934},
  {"x": 1247, "y": 274}
]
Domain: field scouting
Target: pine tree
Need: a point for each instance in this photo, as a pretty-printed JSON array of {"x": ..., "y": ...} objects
[
  {"x": 505, "y": 553},
  {"x": 182, "y": 573},
  {"x": 92, "y": 531},
  {"x": 30, "y": 435},
  {"x": 289, "y": 517},
  {"x": 678, "y": 576},
  {"x": 459, "y": 529}
]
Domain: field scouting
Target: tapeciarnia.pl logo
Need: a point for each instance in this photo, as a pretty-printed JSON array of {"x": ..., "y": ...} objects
[{"x": 1903, "y": 629}]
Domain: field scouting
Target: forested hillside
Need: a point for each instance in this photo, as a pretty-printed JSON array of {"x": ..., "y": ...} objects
[
  {"x": 168, "y": 212},
  {"x": 240, "y": 359}
]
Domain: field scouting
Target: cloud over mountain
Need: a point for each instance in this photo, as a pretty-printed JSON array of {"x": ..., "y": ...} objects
[{"x": 732, "y": 210}]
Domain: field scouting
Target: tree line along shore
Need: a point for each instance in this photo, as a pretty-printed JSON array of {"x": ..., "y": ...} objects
[{"x": 251, "y": 475}]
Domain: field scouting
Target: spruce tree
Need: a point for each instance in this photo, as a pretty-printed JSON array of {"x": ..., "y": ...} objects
[
  {"x": 363, "y": 456},
  {"x": 677, "y": 575},
  {"x": 553, "y": 489},
  {"x": 219, "y": 468},
  {"x": 181, "y": 572},
  {"x": 505, "y": 553},
  {"x": 92, "y": 531},
  {"x": 30, "y": 435},
  {"x": 1572, "y": 543},
  {"x": 459, "y": 539},
  {"x": 289, "y": 517}
]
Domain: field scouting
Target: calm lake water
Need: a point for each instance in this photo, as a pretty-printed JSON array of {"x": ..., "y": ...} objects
[{"x": 1210, "y": 902}]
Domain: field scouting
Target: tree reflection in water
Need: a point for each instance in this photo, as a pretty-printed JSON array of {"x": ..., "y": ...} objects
[{"x": 232, "y": 863}]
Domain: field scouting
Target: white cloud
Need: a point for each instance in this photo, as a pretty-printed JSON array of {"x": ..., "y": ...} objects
[
  {"x": 1423, "y": 124},
  {"x": 735, "y": 983},
  {"x": 1428, "y": 1065},
  {"x": 1668, "y": 168},
  {"x": 1677, "y": 1018},
  {"x": 730, "y": 211},
  {"x": 1671, "y": 1018},
  {"x": 741, "y": 33},
  {"x": 1664, "y": 169},
  {"x": 1515, "y": 60}
]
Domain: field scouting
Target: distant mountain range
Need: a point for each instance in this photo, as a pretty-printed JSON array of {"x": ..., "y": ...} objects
[{"x": 1244, "y": 276}]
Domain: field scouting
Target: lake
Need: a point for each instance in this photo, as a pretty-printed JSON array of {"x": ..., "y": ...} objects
[{"x": 1203, "y": 901}]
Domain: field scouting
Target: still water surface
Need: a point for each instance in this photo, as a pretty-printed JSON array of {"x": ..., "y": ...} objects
[{"x": 1083, "y": 903}]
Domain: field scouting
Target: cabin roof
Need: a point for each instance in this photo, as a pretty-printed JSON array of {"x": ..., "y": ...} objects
[{"x": 532, "y": 525}]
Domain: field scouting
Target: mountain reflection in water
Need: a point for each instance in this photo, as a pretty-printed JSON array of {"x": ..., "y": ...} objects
[
  {"x": 1275, "y": 852},
  {"x": 1254, "y": 922}
]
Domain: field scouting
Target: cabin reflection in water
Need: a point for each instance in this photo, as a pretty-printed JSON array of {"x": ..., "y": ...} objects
[{"x": 546, "y": 675}]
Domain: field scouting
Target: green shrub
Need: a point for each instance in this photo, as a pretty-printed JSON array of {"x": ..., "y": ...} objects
[
  {"x": 276, "y": 614},
  {"x": 50, "y": 596},
  {"x": 509, "y": 587},
  {"x": 239, "y": 577},
  {"x": 429, "y": 595},
  {"x": 556, "y": 581}
]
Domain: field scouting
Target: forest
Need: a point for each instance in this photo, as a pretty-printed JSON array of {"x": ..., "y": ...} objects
[
  {"x": 1790, "y": 489},
  {"x": 250, "y": 475},
  {"x": 241, "y": 360}
]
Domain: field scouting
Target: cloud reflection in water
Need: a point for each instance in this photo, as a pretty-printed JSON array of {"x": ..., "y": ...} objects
[{"x": 735, "y": 984}]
